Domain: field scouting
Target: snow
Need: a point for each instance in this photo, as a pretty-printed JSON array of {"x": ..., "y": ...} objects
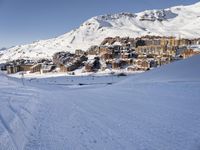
[
  {"x": 195, "y": 47},
  {"x": 17, "y": 108},
  {"x": 117, "y": 43},
  {"x": 179, "y": 21},
  {"x": 155, "y": 110}
]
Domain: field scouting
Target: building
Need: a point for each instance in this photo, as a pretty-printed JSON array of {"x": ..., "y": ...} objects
[
  {"x": 12, "y": 69},
  {"x": 153, "y": 49},
  {"x": 189, "y": 53},
  {"x": 92, "y": 65},
  {"x": 106, "y": 56},
  {"x": 18, "y": 68},
  {"x": 36, "y": 68},
  {"x": 79, "y": 52}
]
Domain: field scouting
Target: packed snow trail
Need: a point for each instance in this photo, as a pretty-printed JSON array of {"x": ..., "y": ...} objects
[
  {"x": 156, "y": 111},
  {"x": 17, "y": 107}
]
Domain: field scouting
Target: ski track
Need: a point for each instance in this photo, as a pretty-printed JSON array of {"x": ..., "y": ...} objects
[{"x": 16, "y": 104}]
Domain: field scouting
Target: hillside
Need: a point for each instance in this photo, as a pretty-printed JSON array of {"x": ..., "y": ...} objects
[{"x": 175, "y": 21}]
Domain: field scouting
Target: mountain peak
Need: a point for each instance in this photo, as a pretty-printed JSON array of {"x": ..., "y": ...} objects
[
  {"x": 197, "y": 4},
  {"x": 175, "y": 21},
  {"x": 115, "y": 16}
]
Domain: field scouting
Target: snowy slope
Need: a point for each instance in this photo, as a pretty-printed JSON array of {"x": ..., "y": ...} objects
[
  {"x": 18, "y": 105},
  {"x": 176, "y": 21},
  {"x": 160, "y": 114},
  {"x": 156, "y": 110}
]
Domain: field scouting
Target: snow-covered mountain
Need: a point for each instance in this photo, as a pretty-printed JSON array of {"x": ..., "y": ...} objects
[
  {"x": 175, "y": 21},
  {"x": 2, "y": 49}
]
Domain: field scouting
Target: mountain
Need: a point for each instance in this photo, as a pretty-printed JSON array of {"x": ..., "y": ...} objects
[
  {"x": 175, "y": 21},
  {"x": 2, "y": 49}
]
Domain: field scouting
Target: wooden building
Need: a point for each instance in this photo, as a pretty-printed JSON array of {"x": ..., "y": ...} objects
[
  {"x": 36, "y": 68},
  {"x": 17, "y": 68},
  {"x": 12, "y": 69},
  {"x": 79, "y": 52},
  {"x": 189, "y": 53},
  {"x": 106, "y": 56},
  {"x": 116, "y": 64}
]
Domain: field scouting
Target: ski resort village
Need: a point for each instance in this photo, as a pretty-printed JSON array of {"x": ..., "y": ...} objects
[
  {"x": 112, "y": 55},
  {"x": 120, "y": 81}
]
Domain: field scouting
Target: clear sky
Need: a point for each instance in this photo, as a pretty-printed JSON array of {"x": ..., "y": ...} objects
[{"x": 24, "y": 21}]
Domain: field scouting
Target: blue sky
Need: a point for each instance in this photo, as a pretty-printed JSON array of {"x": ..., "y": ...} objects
[{"x": 24, "y": 21}]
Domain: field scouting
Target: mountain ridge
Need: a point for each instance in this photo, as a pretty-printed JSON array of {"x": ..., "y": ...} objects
[{"x": 175, "y": 21}]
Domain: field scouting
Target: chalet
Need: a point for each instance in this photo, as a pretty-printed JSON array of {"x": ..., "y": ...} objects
[
  {"x": 79, "y": 52},
  {"x": 73, "y": 65},
  {"x": 62, "y": 57},
  {"x": 132, "y": 68},
  {"x": 69, "y": 62},
  {"x": 180, "y": 50},
  {"x": 104, "y": 66},
  {"x": 105, "y": 49},
  {"x": 149, "y": 42},
  {"x": 106, "y": 56},
  {"x": 184, "y": 42},
  {"x": 153, "y": 63},
  {"x": 153, "y": 49},
  {"x": 116, "y": 64},
  {"x": 116, "y": 48},
  {"x": 92, "y": 65},
  {"x": 124, "y": 62},
  {"x": 18, "y": 68},
  {"x": 128, "y": 61},
  {"x": 46, "y": 68},
  {"x": 12, "y": 69},
  {"x": 195, "y": 41},
  {"x": 189, "y": 53},
  {"x": 36, "y": 68},
  {"x": 163, "y": 60},
  {"x": 89, "y": 67},
  {"x": 26, "y": 67},
  {"x": 125, "y": 55},
  {"x": 142, "y": 64},
  {"x": 169, "y": 41},
  {"x": 67, "y": 68},
  {"x": 62, "y": 68},
  {"x": 145, "y": 65}
]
